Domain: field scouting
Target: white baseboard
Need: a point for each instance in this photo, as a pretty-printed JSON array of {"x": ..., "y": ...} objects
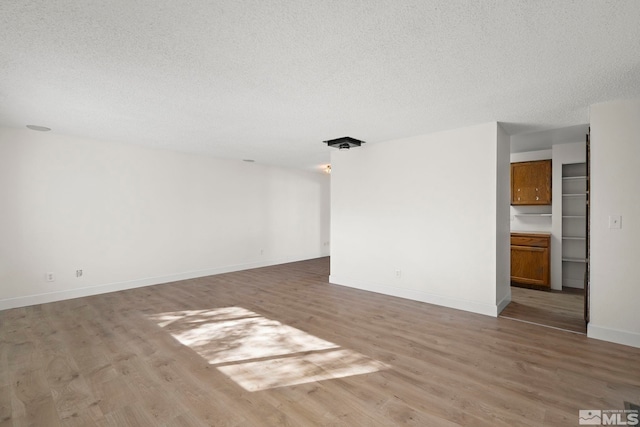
[
  {"x": 24, "y": 301},
  {"x": 504, "y": 302},
  {"x": 412, "y": 294},
  {"x": 573, "y": 283},
  {"x": 613, "y": 335}
]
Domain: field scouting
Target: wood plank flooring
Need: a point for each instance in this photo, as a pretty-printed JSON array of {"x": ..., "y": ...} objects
[
  {"x": 558, "y": 309},
  {"x": 280, "y": 346}
]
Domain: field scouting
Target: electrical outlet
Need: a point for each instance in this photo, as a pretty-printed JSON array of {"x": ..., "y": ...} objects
[
  {"x": 398, "y": 273},
  {"x": 78, "y": 273},
  {"x": 50, "y": 277},
  {"x": 615, "y": 221}
]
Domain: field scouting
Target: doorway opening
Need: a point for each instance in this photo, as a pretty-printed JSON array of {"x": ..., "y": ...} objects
[{"x": 563, "y": 301}]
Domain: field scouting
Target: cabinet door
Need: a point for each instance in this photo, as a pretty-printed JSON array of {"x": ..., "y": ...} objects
[
  {"x": 531, "y": 183},
  {"x": 530, "y": 265}
]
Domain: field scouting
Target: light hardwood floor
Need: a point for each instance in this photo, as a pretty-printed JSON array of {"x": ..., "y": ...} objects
[
  {"x": 557, "y": 309},
  {"x": 280, "y": 346}
]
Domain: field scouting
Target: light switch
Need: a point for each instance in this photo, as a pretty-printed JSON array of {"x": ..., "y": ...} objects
[{"x": 615, "y": 221}]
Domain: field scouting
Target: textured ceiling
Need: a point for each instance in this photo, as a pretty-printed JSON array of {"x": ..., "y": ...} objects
[{"x": 270, "y": 80}]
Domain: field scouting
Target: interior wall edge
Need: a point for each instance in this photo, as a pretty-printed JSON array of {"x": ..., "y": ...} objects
[
  {"x": 502, "y": 304},
  {"x": 421, "y": 296}
]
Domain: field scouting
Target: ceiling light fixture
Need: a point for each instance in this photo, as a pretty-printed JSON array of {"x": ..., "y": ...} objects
[
  {"x": 344, "y": 143},
  {"x": 39, "y": 128}
]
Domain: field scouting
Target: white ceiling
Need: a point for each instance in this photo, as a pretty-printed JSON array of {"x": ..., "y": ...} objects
[{"x": 269, "y": 80}]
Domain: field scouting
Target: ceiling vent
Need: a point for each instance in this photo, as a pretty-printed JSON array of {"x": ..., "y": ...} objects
[{"x": 344, "y": 143}]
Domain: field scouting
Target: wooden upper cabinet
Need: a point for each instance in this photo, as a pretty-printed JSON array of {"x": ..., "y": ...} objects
[{"x": 531, "y": 183}]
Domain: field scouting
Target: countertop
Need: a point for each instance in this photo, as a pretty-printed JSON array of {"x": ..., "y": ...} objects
[{"x": 544, "y": 233}]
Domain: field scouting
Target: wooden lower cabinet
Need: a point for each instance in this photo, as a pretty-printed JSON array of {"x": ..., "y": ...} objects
[{"x": 530, "y": 259}]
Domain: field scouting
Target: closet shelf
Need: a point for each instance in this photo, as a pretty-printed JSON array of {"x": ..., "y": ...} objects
[
  {"x": 574, "y": 196},
  {"x": 533, "y": 214}
]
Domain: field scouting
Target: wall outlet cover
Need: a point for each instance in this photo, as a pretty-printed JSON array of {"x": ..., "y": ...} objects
[{"x": 615, "y": 221}]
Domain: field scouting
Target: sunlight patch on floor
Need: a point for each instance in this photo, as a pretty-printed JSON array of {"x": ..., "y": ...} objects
[
  {"x": 287, "y": 371},
  {"x": 259, "y": 353}
]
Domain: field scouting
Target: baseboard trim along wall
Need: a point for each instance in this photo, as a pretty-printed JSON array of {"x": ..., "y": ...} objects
[
  {"x": 28, "y": 300},
  {"x": 504, "y": 302},
  {"x": 613, "y": 335},
  {"x": 412, "y": 294}
]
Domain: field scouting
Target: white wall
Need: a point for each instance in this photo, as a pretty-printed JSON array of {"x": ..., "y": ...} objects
[
  {"x": 130, "y": 216},
  {"x": 428, "y": 207},
  {"x": 503, "y": 200},
  {"x": 615, "y": 174}
]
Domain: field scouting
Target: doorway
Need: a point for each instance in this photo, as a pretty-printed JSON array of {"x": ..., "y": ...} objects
[{"x": 566, "y": 305}]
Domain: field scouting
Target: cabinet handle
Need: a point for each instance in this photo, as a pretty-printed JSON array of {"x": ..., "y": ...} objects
[
  {"x": 537, "y": 198},
  {"x": 518, "y": 189},
  {"x": 536, "y": 189},
  {"x": 518, "y": 198}
]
